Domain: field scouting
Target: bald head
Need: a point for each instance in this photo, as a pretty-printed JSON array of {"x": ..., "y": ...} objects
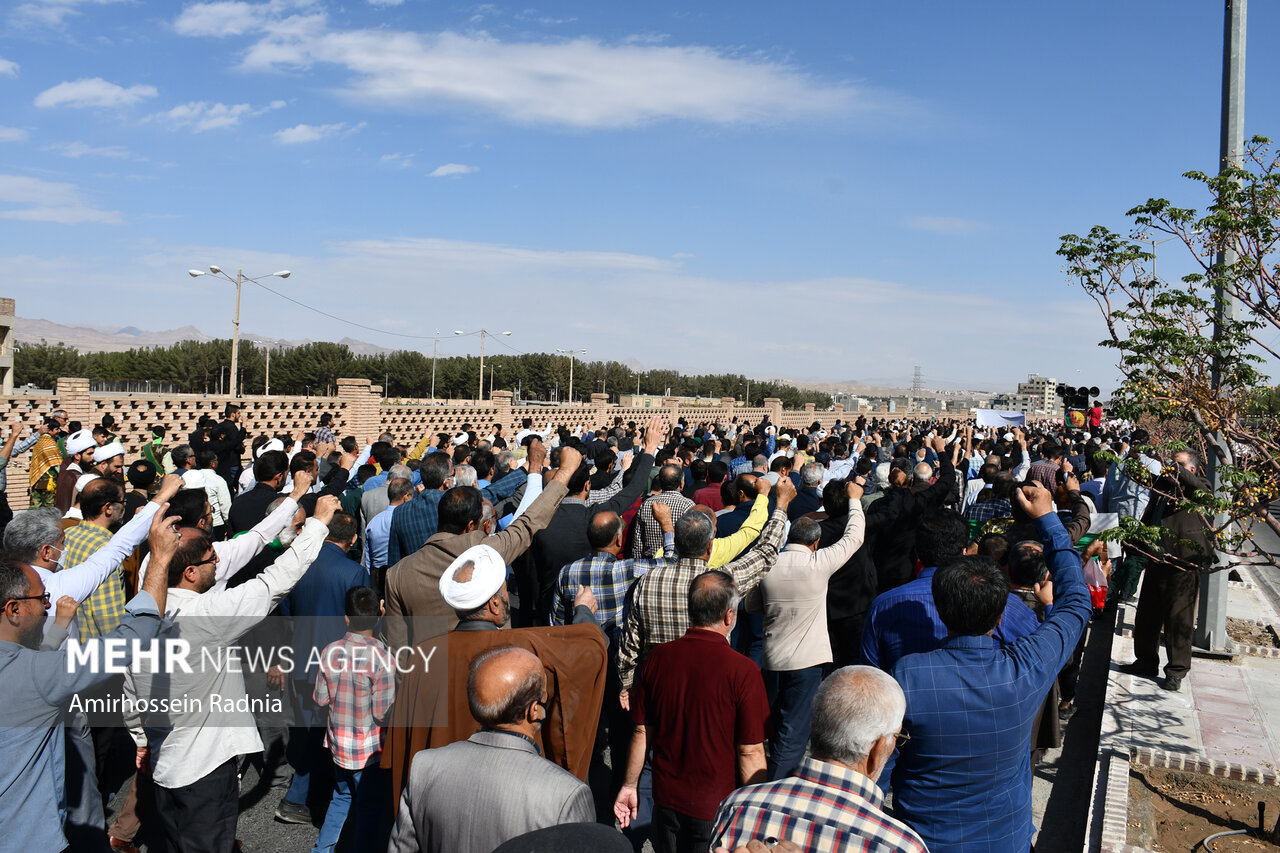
[
  {"x": 505, "y": 688},
  {"x": 604, "y": 531}
]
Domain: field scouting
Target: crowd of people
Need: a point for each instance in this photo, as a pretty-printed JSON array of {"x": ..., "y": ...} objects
[{"x": 718, "y": 635}]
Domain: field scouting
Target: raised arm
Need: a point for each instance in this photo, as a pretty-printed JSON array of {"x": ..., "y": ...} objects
[
  {"x": 235, "y": 554},
  {"x": 832, "y": 558}
]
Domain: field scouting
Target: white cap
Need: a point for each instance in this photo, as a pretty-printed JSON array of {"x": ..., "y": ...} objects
[
  {"x": 459, "y": 439},
  {"x": 489, "y": 572},
  {"x": 80, "y": 441},
  {"x": 108, "y": 451},
  {"x": 84, "y": 480}
]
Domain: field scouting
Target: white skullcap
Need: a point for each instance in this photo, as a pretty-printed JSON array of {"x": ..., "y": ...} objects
[
  {"x": 1008, "y": 436},
  {"x": 84, "y": 480},
  {"x": 460, "y": 438},
  {"x": 80, "y": 441},
  {"x": 107, "y": 451},
  {"x": 273, "y": 444},
  {"x": 486, "y": 579}
]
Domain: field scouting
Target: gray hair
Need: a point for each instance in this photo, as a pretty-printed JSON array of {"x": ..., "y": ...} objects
[
  {"x": 854, "y": 707},
  {"x": 924, "y": 472},
  {"x": 398, "y": 487},
  {"x": 29, "y": 531},
  {"x": 759, "y": 461},
  {"x": 13, "y": 582},
  {"x": 464, "y": 475},
  {"x": 399, "y": 471},
  {"x": 694, "y": 533},
  {"x": 182, "y": 454},
  {"x": 486, "y": 511},
  {"x": 503, "y": 462},
  {"x": 811, "y": 473},
  {"x": 804, "y": 531}
]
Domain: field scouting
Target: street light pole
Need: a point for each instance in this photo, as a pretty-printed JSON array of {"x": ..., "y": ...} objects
[
  {"x": 235, "y": 330},
  {"x": 483, "y": 332},
  {"x": 266, "y": 382},
  {"x": 434, "y": 343},
  {"x": 1211, "y": 621},
  {"x": 238, "y": 281},
  {"x": 571, "y": 353}
]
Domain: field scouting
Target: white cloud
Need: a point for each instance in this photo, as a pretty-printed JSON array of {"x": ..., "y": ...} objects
[
  {"x": 12, "y": 134},
  {"x": 449, "y": 169},
  {"x": 92, "y": 92},
  {"x": 583, "y": 82},
  {"x": 8, "y": 68},
  {"x": 200, "y": 116},
  {"x": 385, "y": 2},
  {"x": 50, "y": 13},
  {"x": 404, "y": 161},
  {"x": 946, "y": 224},
  {"x": 46, "y": 201},
  {"x": 314, "y": 132},
  {"x": 76, "y": 150}
]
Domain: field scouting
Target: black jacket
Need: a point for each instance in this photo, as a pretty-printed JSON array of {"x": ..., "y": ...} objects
[{"x": 897, "y": 515}]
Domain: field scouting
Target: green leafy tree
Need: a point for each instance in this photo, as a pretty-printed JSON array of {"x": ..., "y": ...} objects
[{"x": 1169, "y": 336}]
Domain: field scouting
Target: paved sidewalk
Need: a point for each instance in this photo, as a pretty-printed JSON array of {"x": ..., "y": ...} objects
[{"x": 1225, "y": 721}]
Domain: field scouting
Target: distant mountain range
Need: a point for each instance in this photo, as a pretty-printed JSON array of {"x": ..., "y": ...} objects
[{"x": 111, "y": 339}]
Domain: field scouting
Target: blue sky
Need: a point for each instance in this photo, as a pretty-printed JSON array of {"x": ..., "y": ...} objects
[{"x": 831, "y": 190}]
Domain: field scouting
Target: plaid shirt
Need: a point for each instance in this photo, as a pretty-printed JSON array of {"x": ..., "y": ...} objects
[
  {"x": 648, "y": 538},
  {"x": 324, "y": 435},
  {"x": 102, "y": 611},
  {"x": 357, "y": 681},
  {"x": 659, "y": 611},
  {"x": 739, "y": 465},
  {"x": 609, "y": 579},
  {"x": 823, "y": 807},
  {"x": 984, "y": 511}
]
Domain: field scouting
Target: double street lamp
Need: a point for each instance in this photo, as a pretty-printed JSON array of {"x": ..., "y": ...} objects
[
  {"x": 238, "y": 281},
  {"x": 572, "y": 353},
  {"x": 482, "y": 333}
]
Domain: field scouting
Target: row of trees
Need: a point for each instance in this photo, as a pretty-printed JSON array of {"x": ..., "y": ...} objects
[{"x": 199, "y": 367}]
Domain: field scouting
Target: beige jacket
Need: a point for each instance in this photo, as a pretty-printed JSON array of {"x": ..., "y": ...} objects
[{"x": 795, "y": 599}]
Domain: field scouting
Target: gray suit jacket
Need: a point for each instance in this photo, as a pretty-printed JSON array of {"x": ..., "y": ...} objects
[{"x": 471, "y": 796}]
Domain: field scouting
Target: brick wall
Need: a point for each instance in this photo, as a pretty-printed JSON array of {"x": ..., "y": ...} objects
[{"x": 358, "y": 410}]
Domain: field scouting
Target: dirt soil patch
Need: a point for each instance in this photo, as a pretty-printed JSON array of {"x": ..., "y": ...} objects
[
  {"x": 1252, "y": 634},
  {"x": 1172, "y": 810}
]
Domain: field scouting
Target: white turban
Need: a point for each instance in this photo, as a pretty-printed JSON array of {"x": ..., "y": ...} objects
[
  {"x": 108, "y": 451},
  {"x": 273, "y": 444},
  {"x": 487, "y": 577},
  {"x": 80, "y": 441}
]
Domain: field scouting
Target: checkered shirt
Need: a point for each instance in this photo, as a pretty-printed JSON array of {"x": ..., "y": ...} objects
[
  {"x": 102, "y": 611},
  {"x": 739, "y": 465},
  {"x": 823, "y": 807},
  {"x": 984, "y": 511},
  {"x": 324, "y": 435},
  {"x": 659, "y": 611},
  {"x": 609, "y": 579},
  {"x": 357, "y": 681},
  {"x": 648, "y": 538}
]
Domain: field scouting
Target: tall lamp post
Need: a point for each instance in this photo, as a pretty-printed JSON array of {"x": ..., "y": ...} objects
[
  {"x": 572, "y": 353},
  {"x": 483, "y": 332},
  {"x": 434, "y": 343},
  {"x": 238, "y": 281}
]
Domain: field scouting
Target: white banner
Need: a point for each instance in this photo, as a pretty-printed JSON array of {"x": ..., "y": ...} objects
[{"x": 997, "y": 418}]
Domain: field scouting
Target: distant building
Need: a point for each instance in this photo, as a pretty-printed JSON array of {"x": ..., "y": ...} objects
[{"x": 1039, "y": 395}]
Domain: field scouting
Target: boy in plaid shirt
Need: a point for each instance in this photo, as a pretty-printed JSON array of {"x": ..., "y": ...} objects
[{"x": 357, "y": 681}]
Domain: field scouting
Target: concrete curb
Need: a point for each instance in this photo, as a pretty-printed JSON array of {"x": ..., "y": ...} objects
[{"x": 1147, "y": 757}]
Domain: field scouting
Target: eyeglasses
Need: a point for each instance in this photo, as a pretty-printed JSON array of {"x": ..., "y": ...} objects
[
  {"x": 44, "y": 598},
  {"x": 209, "y": 562},
  {"x": 902, "y": 737}
]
